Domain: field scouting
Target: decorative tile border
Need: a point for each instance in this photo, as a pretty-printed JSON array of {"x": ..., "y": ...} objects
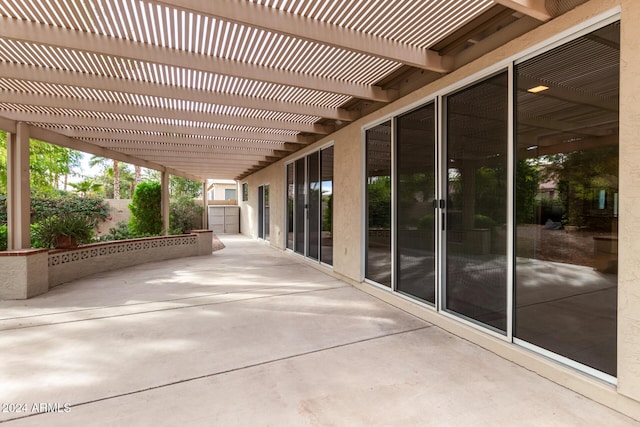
[{"x": 123, "y": 246}]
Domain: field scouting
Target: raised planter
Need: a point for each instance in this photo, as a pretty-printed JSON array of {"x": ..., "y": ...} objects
[
  {"x": 31, "y": 272},
  {"x": 24, "y": 273}
]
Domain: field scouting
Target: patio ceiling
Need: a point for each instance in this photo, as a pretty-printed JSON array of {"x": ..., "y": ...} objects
[{"x": 221, "y": 89}]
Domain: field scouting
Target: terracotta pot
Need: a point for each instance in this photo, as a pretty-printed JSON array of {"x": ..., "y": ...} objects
[{"x": 66, "y": 242}]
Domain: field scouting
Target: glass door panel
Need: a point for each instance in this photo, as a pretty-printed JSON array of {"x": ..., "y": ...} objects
[
  {"x": 266, "y": 212},
  {"x": 326, "y": 216},
  {"x": 300, "y": 206},
  {"x": 261, "y": 212},
  {"x": 313, "y": 213},
  {"x": 416, "y": 173},
  {"x": 378, "y": 154},
  {"x": 567, "y": 199},
  {"x": 290, "y": 205},
  {"x": 476, "y": 202}
]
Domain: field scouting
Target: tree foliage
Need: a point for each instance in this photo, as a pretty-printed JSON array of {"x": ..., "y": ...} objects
[
  {"x": 580, "y": 176},
  {"x": 50, "y": 166},
  {"x": 146, "y": 214},
  {"x": 185, "y": 215},
  {"x": 527, "y": 181},
  {"x": 179, "y": 187},
  {"x": 87, "y": 187},
  {"x": 118, "y": 179},
  {"x": 379, "y": 202}
]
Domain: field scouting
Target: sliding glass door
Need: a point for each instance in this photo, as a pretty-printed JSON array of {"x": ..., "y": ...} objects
[
  {"x": 416, "y": 215},
  {"x": 567, "y": 199},
  {"x": 476, "y": 142},
  {"x": 378, "y": 265},
  {"x": 310, "y": 206},
  {"x": 263, "y": 212}
]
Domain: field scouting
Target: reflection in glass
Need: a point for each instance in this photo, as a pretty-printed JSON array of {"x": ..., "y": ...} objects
[
  {"x": 476, "y": 238},
  {"x": 261, "y": 212},
  {"x": 326, "y": 215},
  {"x": 567, "y": 200},
  {"x": 416, "y": 193},
  {"x": 266, "y": 213},
  {"x": 300, "y": 207},
  {"x": 290, "y": 205},
  {"x": 313, "y": 188},
  {"x": 378, "y": 153}
]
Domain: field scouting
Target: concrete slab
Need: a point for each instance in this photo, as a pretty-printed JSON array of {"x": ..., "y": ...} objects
[{"x": 251, "y": 336}]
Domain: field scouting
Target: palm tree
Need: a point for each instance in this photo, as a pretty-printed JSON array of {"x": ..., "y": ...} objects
[
  {"x": 115, "y": 170},
  {"x": 87, "y": 187},
  {"x": 138, "y": 177}
]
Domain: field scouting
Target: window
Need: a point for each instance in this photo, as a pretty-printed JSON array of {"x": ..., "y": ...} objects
[
  {"x": 245, "y": 192},
  {"x": 230, "y": 194}
]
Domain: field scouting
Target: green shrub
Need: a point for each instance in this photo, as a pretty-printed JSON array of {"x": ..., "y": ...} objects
[
  {"x": 119, "y": 232},
  {"x": 76, "y": 226},
  {"x": 146, "y": 215},
  {"x": 41, "y": 208},
  {"x": 3, "y": 209},
  {"x": 3, "y": 237},
  {"x": 93, "y": 208},
  {"x": 185, "y": 215},
  {"x": 426, "y": 222},
  {"x": 482, "y": 221}
]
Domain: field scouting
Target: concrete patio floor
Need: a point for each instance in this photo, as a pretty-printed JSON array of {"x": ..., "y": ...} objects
[{"x": 252, "y": 336}]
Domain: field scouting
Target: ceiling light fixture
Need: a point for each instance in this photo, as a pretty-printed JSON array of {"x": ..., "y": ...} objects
[{"x": 537, "y": 89}]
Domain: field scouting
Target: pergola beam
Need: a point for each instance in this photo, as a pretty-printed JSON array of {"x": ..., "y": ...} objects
[
  {"x": 143, "y": 113},
  {"x": 118, "y": 85},
  {"x": 300, "y": 27},
  {"x": 76, "y": 144},
  {"x": 536, "y": 9},
  {"x": 153, "y": 154},
  {"x": 210, "y": 137},
  {"x": 137, "y": 51}
]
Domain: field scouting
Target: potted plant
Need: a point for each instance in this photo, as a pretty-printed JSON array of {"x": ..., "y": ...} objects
[{"x": 65, "y": 231}]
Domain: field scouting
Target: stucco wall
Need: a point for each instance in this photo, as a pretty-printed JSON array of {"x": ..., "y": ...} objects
[
  {"x": 118, "y": 212},
  {"x": 629, "y": 243},
  {"x": 274, "y": 177},
  {"x": 348, "y": 205}
]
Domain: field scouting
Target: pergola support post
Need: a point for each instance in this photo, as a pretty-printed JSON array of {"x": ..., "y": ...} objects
[
  {"x": 205, "y": 205},
  {"x": 18, "y": 189},
  {"x": 165, "y": 202}
]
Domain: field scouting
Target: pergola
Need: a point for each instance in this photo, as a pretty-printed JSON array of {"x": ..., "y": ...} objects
[{"x": 221, "y": 89}]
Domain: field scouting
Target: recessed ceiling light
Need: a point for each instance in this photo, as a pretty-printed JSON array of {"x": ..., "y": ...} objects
[{"x": 537, "y": 89}]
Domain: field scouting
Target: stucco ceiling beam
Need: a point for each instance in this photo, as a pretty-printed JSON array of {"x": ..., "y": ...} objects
[
  {"x": 300, "y": 27},
  {"x": 109, "y": 46},
  {"x": 534, "y": 8}
]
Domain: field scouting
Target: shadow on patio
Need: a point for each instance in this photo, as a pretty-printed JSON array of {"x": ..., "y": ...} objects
[{"x": 251, "y": 336}]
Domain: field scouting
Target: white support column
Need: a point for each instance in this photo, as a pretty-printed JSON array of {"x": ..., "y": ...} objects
[
  {"x": 18, "y": 189},
  {"x": 165, "y": 202},
  {"x": 205, "y": 205}
]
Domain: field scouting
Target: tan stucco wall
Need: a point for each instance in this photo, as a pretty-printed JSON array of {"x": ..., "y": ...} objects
[
  {"x": 629, "y": 243},
  {"x": 348, "y": 182},
  {"x": 118, "y": 212},
  {"x": 24, "y": 274}
]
